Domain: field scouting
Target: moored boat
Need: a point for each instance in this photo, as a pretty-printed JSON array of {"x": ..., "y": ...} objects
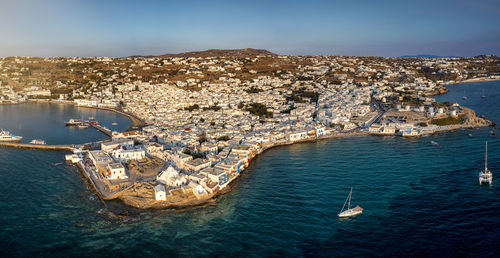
[
  {"x": 38, "y": 142},
  {"x": 73, "y": 122},
  {"x": 6, "y": 136},
  {"x": 83, "y": 125}
]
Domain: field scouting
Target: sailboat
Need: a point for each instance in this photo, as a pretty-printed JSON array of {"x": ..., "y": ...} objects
[
  {"x": 350, "y": 212},
  {"x": 483, "y": 96},
  {"x": 485, "y": 176},
  {"x": 464, "y": 97}
]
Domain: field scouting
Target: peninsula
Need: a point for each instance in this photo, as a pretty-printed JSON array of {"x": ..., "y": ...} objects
[{"x": 201, "y": 117}]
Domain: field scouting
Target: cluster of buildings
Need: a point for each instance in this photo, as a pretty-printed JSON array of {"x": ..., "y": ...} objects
[{"x": 207, "y": 117}]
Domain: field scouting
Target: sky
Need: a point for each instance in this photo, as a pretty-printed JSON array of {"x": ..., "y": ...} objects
[{"x": 374, "y": 27}]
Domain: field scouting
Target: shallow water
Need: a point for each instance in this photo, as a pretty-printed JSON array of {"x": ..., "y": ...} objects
[{"x": 419, "y": 199}]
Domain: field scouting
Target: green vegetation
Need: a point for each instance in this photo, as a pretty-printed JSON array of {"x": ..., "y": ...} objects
[
  {"x": 202, "y": 137},
  {"x": 215, "y": 107},
  {"x": 223, "y": 138},
  {"x": 448, "y": 120},
  {"x": 340, "y": 126},
  {"x": 192, "y": 107},
  {"x": 253, "y": 90},
  {"x": 259, "y": 110},
  {"x": 192, "y": 154},
  {"x": 299, "y": 95}
]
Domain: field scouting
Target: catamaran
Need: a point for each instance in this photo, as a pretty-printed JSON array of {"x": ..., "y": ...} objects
[
  {"x": 485, "y": 176},
  {"x": 350, "y": 212}
]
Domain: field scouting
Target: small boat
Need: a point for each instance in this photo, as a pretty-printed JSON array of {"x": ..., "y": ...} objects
[
  {"x": 38, "y": 142},
  {"x": 6, "y": 136},
  {"x": 73, "y": 122},
  {"x": 91, "y": 118},
  {"x": 464, "y": 97},
  {"x": 492, "y": 133},
  {"x": 483, "y": 96},
  {"x": 83, "y": 126},
  {"x": 470, "y": 135},
  {"x": 485, "y": 176},
  {"x": 434, "y": 143},
  {"x": 114, "y": 123},
  {"x": 56, "y": 164},
  {"x": 350, "y": 212}
]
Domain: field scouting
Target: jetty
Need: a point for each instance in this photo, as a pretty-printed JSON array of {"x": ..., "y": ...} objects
[
  {"x": 101, "y": 128},
  {"x": 38, "y": 146}
]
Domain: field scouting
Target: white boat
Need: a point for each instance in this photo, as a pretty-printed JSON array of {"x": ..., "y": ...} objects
[
  {"x": 485, "y": 176},
  {"x": 73, "y": 121},
  {"x": 38, "y": 142},
  {"x": 350, "y": 212},
  {"x": 6, "y": 136},
  {"x": 434, "y": 143},
  {"x": 83, "y": 125},
  {"x": 483, "y": 96},
  {"x": 464, "y": 97}
]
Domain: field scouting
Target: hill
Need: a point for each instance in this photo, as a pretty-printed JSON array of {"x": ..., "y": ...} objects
[{"x": 247, "y": 52}]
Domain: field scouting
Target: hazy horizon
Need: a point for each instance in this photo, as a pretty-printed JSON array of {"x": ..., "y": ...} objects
[{"x": 58, "y": 28}]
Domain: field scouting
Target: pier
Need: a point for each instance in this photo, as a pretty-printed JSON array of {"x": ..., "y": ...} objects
[
  {"x": 38, "y": 146},
  {"x": 100, "y": 128}
]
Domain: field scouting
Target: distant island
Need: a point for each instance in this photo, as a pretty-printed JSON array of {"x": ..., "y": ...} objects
[{"x": 199, "y": 118}]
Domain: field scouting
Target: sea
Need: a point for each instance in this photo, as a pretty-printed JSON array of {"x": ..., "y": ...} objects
[{"x": 419, "y": 198}]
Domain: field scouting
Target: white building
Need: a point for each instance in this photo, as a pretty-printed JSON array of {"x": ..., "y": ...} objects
[
  {"x": 160, "y": 193},
  {"x": 115, "y": 171},
  {"x": 124, "y": 155}
]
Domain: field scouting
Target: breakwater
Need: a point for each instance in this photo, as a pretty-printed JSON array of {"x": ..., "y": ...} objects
[{"x": 37, "y": 146}]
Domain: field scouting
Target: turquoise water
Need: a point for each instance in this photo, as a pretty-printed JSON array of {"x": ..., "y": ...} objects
[{"x": 419, "y": 199}]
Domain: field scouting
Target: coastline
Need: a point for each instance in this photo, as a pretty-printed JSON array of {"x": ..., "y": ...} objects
[
  {"x": 207, "y": 199},
  {"x": 479, "y": 80},
  {"x": 135, "y": 121},
  {"x": 151, "y": 203}
]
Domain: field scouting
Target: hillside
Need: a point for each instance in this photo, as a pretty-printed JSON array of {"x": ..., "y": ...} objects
[{"x": 247, "y": 52}]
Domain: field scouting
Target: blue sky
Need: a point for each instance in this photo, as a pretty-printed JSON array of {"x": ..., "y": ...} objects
[{"x": 124, "y": 28}]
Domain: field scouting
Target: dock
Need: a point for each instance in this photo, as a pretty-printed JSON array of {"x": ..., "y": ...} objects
[
  {"x": 101, "y": 128},
  {"x": 38, "y": 146}
]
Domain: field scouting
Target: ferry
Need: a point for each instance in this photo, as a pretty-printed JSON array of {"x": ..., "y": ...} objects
[
  {"x": 38, "y": 142},
  {"x": 73, "y": 122},
  {"x": 485, "y": 176},
  {"x": 6, "y": 136},
  {"x": 350, "y": 212}
]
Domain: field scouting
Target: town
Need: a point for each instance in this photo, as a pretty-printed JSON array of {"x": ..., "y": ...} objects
[{"x": 204, "y": 117}]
